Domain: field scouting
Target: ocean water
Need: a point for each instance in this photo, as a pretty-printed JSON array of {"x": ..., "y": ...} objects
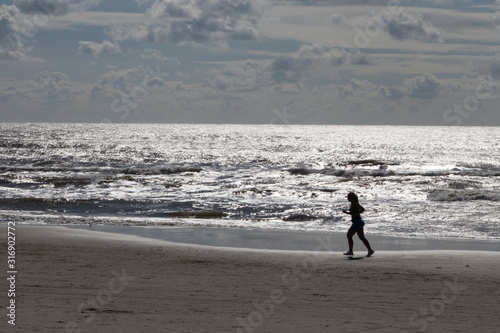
[{"x": 426, "y": 182}]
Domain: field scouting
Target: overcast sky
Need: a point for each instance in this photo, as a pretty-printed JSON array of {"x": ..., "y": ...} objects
[{"x": 236, "y": 61}]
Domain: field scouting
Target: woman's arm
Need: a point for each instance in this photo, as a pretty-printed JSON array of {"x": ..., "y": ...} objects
[{"x": 355, "y": 210}]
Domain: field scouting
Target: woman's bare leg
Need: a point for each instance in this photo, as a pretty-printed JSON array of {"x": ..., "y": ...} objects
[
  {"x": 361, "y": 235},
  {"x": 350, "y": 241}
]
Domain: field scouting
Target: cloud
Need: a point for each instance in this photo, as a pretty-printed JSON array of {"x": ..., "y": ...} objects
[
  {"x": 495, "y": 17},
  {"x": 288, "y": 69},
  {"x": 362, "y": 59},
  {"x": 310, "y": 58},
  {"x": 389, "y": 107},
  {"x": 130, "y": 83},
  {"x": 56, "y": 86},
  {"x": 8, "y": 93},
  {"x": 12, "y": 34},
  {"x": 53, "y": 7},
  {"x": 338, "y": 18},
  {"x": 89, "y": 47},
  {"x": 356, "y": 88},
  {"x": 123, "y": 80},
  {"x": 495, "y": 66},
  {"x": 314, "y": 60},
  {"x": 156, "y": 55},
  {"x": 423, "y": 86},
  {"x": 439, "y": 2},
  {"x": 19, "y": 24},
  {"x": 391, "y": 92},
  {"x": 240, "y": 78},
  {"x": 403, "y": 25},
  {"x": 47, "y": 7},
  {"x": 415, "y": 108},
  {"x": 195, "y": 21},
  {"x": 84, "y": 5}
]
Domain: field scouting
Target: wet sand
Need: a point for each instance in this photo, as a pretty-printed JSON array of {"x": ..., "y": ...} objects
[{"x": 291, "y": 240}]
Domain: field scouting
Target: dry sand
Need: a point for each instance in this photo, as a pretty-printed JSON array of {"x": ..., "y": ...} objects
[{"x": 85, "y": 281}]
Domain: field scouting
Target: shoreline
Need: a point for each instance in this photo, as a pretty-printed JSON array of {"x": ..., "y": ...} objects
[
  {"x": 74, "y": 280},
  {"x": 290, "y": 240}
]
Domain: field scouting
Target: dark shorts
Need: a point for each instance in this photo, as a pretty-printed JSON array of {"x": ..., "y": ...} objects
[{"x": 357, "y": 224}]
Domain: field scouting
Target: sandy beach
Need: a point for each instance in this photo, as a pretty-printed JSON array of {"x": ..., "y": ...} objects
[{"x": 71, "y": 280}]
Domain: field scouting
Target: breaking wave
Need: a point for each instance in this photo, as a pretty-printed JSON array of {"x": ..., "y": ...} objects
[{"x": 463, "y": 195}]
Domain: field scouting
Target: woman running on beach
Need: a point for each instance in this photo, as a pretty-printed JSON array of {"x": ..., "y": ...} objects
[{"x": 357, "y": 224}]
